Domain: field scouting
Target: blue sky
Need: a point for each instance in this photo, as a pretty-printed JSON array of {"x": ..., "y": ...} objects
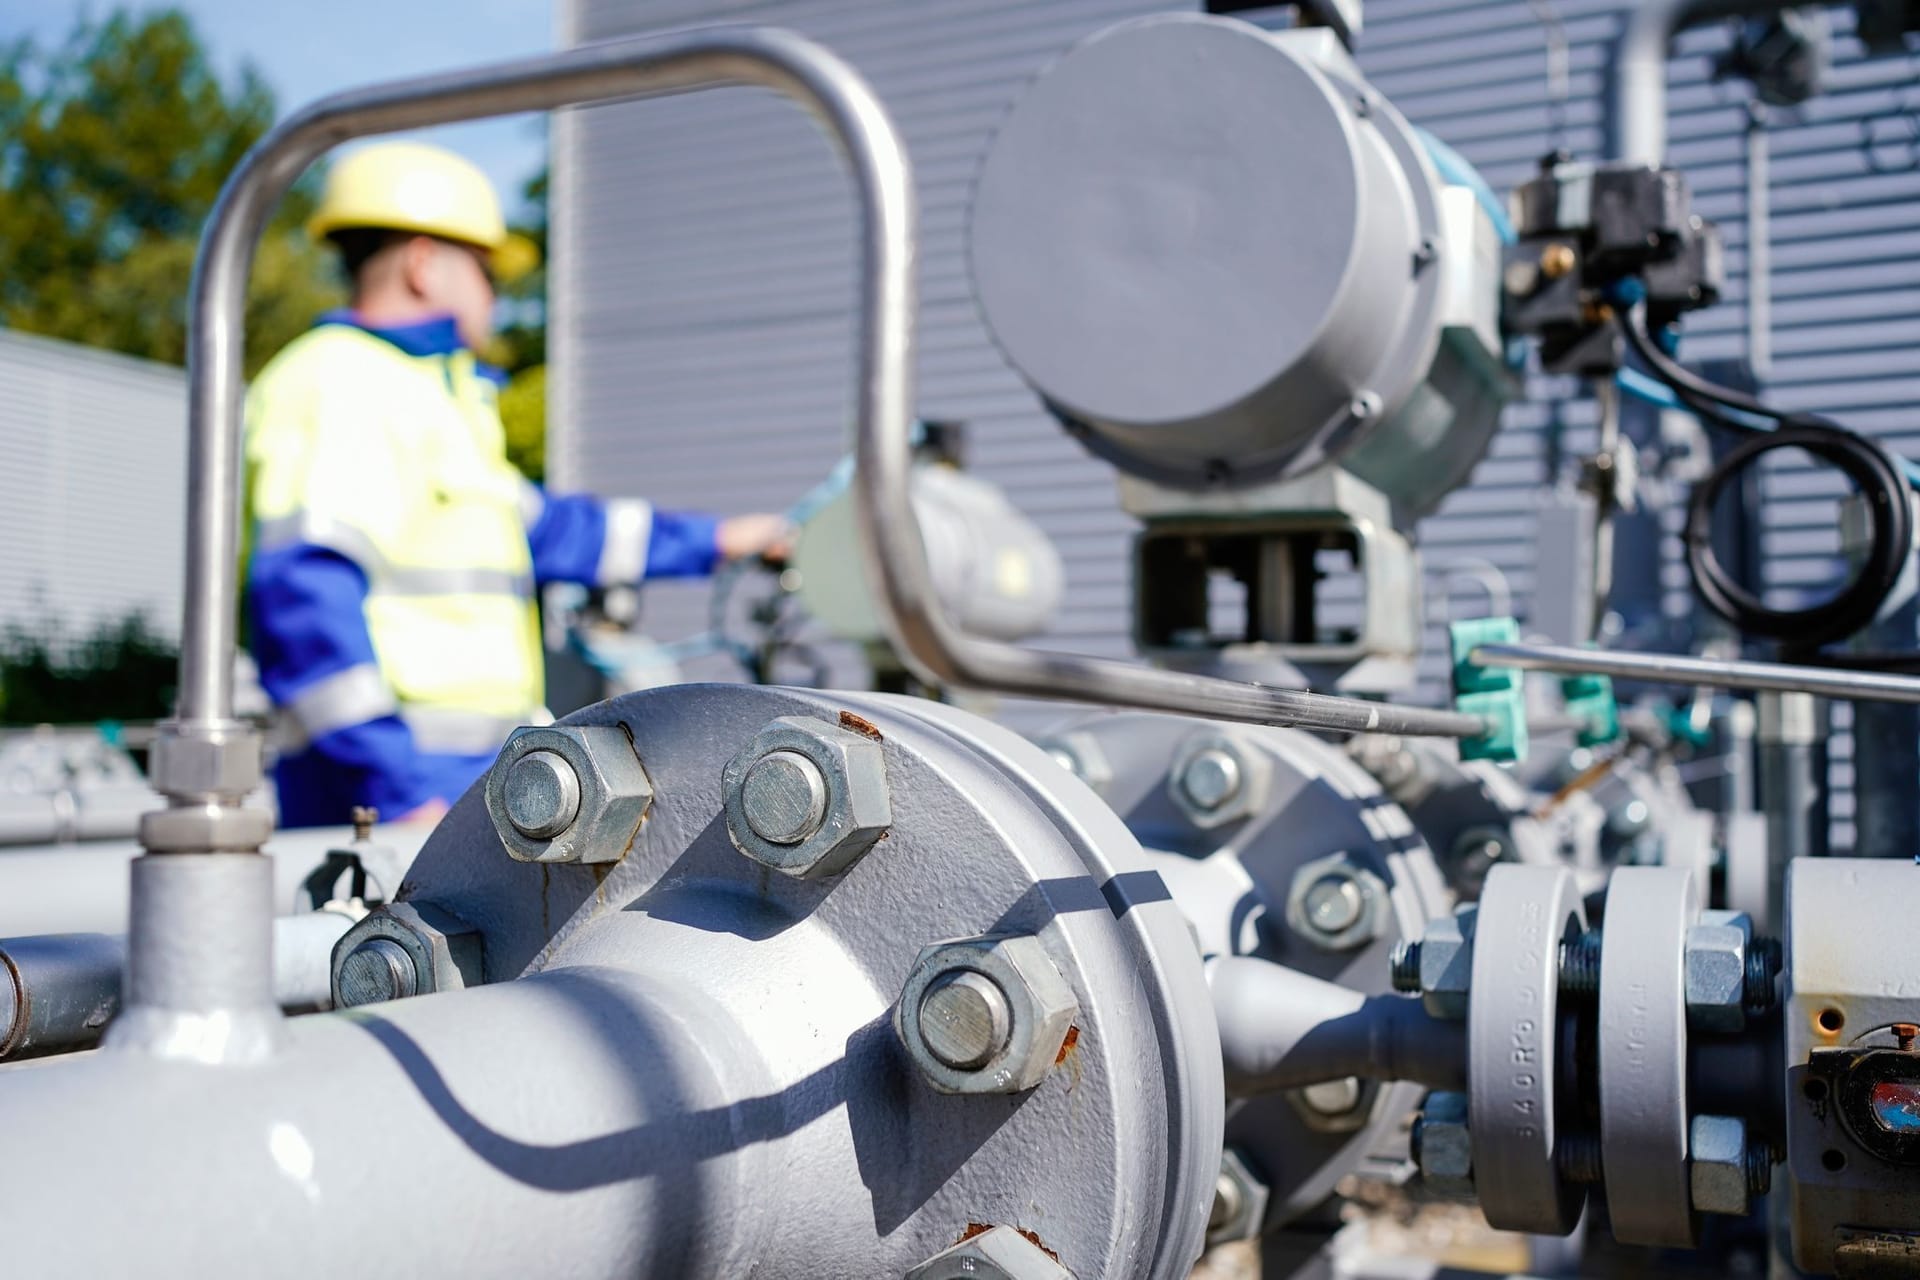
[{"x": 314, "y": 47}]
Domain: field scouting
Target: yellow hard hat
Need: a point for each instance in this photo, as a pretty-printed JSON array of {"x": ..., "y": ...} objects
[{"x": 409, "y": 186}]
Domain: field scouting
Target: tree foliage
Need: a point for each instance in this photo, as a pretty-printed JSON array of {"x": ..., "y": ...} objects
[
  {"x": 522, "y": 346},
  {"x": 113, "y": 149},
  {"x": 120, "y": 670}
]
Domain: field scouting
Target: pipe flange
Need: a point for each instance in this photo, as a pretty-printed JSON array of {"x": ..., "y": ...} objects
[
  {"x": 1512, "y": 1041},
  {"x": 1643, "y": 1055}
]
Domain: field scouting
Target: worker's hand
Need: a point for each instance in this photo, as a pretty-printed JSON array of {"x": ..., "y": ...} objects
[
  {"x": 427, "y": 814},
  {"x": 768, "y": 536}
]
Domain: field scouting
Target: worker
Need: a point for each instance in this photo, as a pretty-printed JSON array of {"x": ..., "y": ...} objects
[{"x": 395, "y": 550}]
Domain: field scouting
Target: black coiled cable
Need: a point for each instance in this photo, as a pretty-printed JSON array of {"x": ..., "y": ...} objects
[{"x": 1881, "y": 480}]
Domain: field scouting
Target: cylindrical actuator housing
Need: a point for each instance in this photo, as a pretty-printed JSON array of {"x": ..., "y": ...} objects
[{"x": 1221, "y": 258}]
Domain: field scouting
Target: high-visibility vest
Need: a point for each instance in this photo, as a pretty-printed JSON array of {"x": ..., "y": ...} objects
[{"x": 397, "y": 462}]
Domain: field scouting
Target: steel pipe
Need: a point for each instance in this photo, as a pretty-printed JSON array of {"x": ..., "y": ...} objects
[
  {"x": 1283, "y": 1029},
  {"x": 1639, "y": 70},
  {"x": 58, "y": 991},
  {"x": 1673, "y": 668},
  {"x": 205, "y": 761}
]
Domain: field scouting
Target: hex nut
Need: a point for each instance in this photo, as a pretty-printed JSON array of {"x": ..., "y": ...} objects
[
  {"x": 1081, "y": 754},
  {"x": 998, "y": 1253},
  {"x": 1336, "y": 1106},
  {"x": 614, "y": 793},
  {"x": 1241, "y": 784},
  {"x": 859, "y": 803},
  {"x": 1239, "y": 1201},
  {"x": 446, "y": 951},
  {"x": 1040, "y": 1002},
  {"x": 1717, "y": 1164},
  {"x": 221, "y": 762},
  {"x": 1443, "y": 1147},
  {"x": 1361, "y": 916},
  {"x": 1716, "y": 969},
  {"x": 1446, "y": 963}
]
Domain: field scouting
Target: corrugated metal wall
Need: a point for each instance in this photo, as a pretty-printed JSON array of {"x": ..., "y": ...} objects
[
  {"x": 92, "y": 490},
  {"x": 705, "y": 264}
]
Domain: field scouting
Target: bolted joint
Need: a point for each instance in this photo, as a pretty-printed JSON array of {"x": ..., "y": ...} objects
[
  {"x": 1336, "y": 904},
  {"x": 998, "y": 1253},
  {"x": 1443, "y": 1146},
  {"x": 567, "y": 793},
  {"x": 404, "y": 949},
  {"x": 1716, "y": 977},
  {"x": 1720, "y": 1165},
  {"x": 1239, "y": 1201},
  {"x": 985, "y": 1015},
  {"x": 1441, "y": 964},
  {"x": 1217, "y": 778},
  {"x": 807, "y": 798}
]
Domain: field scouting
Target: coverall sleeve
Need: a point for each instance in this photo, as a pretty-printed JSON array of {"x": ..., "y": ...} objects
[
  {"x": 322, "y": 466},
  {"x": 596, "y": 542}
]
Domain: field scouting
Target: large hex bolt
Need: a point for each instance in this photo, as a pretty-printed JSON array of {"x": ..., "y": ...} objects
[
  {"x": 567, "y": 793},
  {"x": 1336, "y": 904},
  {"x": 985, "y": 1015},
  {"x": 1716, "y": 975},
  {"x": 404, "y": 949},
  {"x": 998, "y": 1253},
  {"x": 1724, "y": 1170},
  {"x": 1216, "y": 779},
  {"x": 1439, "y": 965},
  {"x": 1443, "y": 1147},
  {"x": 807, "y": 798},
  {"x": 1239, "y": 1201}
]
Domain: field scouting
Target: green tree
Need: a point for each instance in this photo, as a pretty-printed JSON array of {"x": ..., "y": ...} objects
[
  {"x": 521, "y": 348},
  {"x": 113, "y": 149}
]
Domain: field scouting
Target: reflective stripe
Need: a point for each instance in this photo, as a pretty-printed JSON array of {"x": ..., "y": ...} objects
[
  {"x": 452, "y": 582},
  {"x": 320, "y": 530},
  {"x": 445, "y": 731},
  {"x": 533, "y": 503},
  {"x": 623, "y": 555},
  {"x": 341, "y": 700}
]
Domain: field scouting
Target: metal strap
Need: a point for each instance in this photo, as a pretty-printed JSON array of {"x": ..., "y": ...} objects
[{"x": 623, "y": 554}]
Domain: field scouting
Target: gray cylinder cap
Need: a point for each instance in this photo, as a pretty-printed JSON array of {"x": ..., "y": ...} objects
[{"x": 1187, "y": 239}]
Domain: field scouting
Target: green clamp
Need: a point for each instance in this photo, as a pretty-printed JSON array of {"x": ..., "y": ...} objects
[
  {"x": 1589, "y": 699},
  {"x": 1492, "y": 693}
]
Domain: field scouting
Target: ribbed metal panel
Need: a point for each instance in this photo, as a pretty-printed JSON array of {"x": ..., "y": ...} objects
[
  {"x": 704, "y": 268},
  {"x": 92, "y": 493}
]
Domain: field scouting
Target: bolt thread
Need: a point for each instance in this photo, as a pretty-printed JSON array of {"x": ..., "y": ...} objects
[
  {"x": 1763, "y": 966},
  {"x": 1577, "y": 1156},
  {"x": 1406, "y": 966},
  {"x": 1759, "y": 1168},
  {"x": 1580, "y": 965}
]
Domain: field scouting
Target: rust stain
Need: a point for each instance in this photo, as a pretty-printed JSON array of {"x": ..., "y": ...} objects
[
  {"x": 1032, "y": 1238},
  {"x": 1904, "y": 1033},
  {"x": 860, "y": 725},
  {"x": 1068, "y": 1045}
]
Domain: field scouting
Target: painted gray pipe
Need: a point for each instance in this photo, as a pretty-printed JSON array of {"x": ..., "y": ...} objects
[
  {"x": 1639, "y": 70},
  {"x": 59, "y": 991},
  {"x": 1282, "y": 1029},
  {"x": 581, "y": 1122}
]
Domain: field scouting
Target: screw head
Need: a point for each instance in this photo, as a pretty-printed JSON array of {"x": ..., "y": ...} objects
[
  {"x": 377, "y": 970},
  {"x": 784, "y": 797},
  {"x": 964, "y": 1019},
  {"x": 1211, "y": 778},
  {"x": 542, "y": 795},
  {"x": 1334, "y": 903}
]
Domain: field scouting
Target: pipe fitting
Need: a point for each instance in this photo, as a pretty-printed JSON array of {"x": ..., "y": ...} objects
[
  {"x": 985, "y": 1015},
  {"x": 405, "y": 949},
  {"x": 807, "y": 798}
]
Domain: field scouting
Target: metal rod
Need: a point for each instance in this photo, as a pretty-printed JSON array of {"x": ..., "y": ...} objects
[
  {"x": 1639, "y": 71},
  {"x": 1671, "y": 668},
  {"x": 185, "y": 974},
  {"x": 1759, "y": 244}
]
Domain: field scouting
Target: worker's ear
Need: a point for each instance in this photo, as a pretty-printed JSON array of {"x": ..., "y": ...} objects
[{"x": 419, "y": 262}]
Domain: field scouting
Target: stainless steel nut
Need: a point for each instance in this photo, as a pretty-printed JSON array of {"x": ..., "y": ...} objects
[
  {"x": 609, "y": 796},
  {"x": 1239, "y": 1201},
  {"x": 1081, "y": 754},
  {"x": 1443, "y": 1147},
  {"x": 445, "y": 951},
  {"x": 1446, "y": 963},
  {"x": 1216, "y": 778},
  {"x": 998, "y": 1253},
  {"x": 1336, "y": 904},
  {"x": 856, "y": 808},
  {"x": 1716, "y": 969},
  {"x": 1717, "y": 1164},
  {"x": 1040, "y": 1008},
  {"x": 216, "y": 762}
]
